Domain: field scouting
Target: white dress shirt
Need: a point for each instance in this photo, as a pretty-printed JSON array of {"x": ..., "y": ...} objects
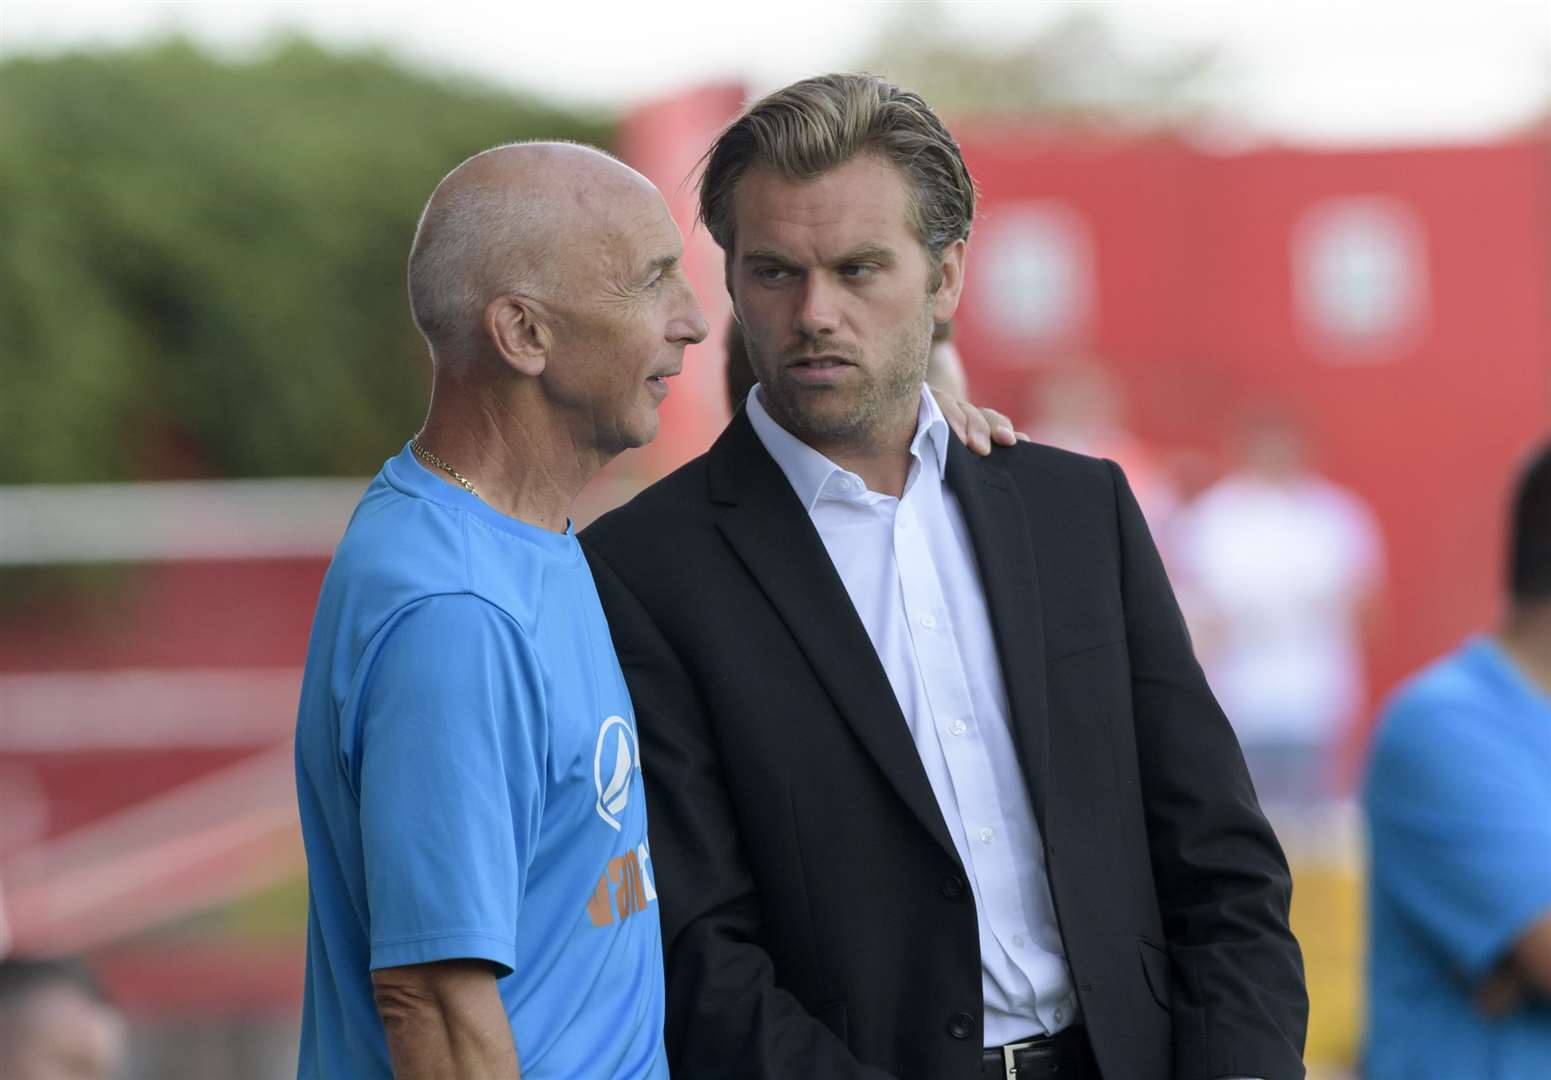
[{"x": 909, "y": 568}]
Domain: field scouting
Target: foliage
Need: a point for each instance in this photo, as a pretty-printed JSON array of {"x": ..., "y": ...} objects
[
  {"x": 1075, "y": 70},
  {"x": 202, "y": 263}
]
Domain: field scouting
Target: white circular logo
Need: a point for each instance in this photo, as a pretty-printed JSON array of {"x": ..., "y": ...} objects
[
  {"x": 1035, "y": 267},
  {"x": 625, "y": 760},
  {"x": 1360, "y": 276}
]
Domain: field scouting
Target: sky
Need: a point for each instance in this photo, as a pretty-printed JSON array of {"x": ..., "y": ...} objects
[{"x": 1299, "y": 70}]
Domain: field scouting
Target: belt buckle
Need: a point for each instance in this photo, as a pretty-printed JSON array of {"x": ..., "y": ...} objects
[{"x": 1009, "y": 1052}]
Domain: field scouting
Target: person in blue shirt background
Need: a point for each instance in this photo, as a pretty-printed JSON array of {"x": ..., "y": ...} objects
[
  {"x": 1458, "y": 803},
  {"x": 480, "y": 887}
]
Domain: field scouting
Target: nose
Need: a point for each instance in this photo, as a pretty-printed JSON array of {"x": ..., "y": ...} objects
[
  {"x": 816, "y": 312},
  {"x": 689, "y": 327}
]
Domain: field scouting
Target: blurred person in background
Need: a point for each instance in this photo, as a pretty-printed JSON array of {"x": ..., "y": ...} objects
[
  {"x": 467, "y": 762},
  {"x": 1458, "y": 804},
  {"x": 867, "y": 667},
  {"x": 944, "y": 365},
  {"x": 1081, "y": 407},
  {"x": 740, "y": 376},
  {"x": 57, "y": 1024},
  {"x": 1280, "y": 573}
]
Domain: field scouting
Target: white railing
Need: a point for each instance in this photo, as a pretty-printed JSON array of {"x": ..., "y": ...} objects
[{"x": 49, "y": 524}]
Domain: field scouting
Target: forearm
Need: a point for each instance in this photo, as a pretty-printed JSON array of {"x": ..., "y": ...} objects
[
  {"x": 434, "y": 1045},
  {"x": 1524, "y": 973},
  {"x": 451, "y": 1026},
  {"x": 1532, "y": 957}
]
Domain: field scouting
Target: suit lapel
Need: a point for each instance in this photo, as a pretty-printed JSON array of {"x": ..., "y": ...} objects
[
  {"x": 774, "y": 537},
  {"x": 999, "y": 531}
]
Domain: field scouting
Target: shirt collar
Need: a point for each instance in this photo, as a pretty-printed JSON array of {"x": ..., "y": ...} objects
[{"x": 808, "y": 471}]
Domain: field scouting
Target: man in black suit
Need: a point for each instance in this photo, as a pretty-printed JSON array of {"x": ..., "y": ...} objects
[{"x": 937, "y": 788}]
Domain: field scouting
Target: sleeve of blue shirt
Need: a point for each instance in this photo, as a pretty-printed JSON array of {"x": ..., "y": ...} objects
[
  {"x": 452, "y": 740},
  {"x": 1460, "y": 827}
]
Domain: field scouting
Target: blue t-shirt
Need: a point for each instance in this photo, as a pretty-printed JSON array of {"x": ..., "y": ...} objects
[
  {"x": 470, "y": 787},
  {"x": 1458, "y": 800}
]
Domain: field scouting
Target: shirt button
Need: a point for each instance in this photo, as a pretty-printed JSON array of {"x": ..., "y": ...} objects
[
  {"x": 1017, "y": 939},
  {"x": 958, "y": 727},
  {"x": 961, "y": 1025},
  {"x": 987, "y": 835},
  {"x": 929, "y": 620},
  {"x": 1060, "y": 1015}
]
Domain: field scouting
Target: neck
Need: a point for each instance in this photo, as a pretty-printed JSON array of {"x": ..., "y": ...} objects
[
  {"x": 883, "y": 471},
  {"x": 1526, "y": 636},
  {"x": 880, "y": 455},
  {"x": 522, "y": 459}
]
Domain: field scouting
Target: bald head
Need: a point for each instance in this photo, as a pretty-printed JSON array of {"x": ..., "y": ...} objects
[{"x": 514, "y": 219}]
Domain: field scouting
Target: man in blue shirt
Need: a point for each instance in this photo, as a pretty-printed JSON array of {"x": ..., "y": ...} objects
[
  {"x": 1458, "y": 800},
  {"x": 468, "y": 771}
]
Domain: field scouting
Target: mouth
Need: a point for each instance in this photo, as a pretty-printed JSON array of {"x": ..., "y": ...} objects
[
  {"x": 659, "y": 382},
  {"x": 820, "y": 372},
  {"x": 820, "y": 363}
]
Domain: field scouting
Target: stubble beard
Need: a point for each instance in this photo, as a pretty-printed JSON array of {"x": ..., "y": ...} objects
[{"x": 858, "y": 416}]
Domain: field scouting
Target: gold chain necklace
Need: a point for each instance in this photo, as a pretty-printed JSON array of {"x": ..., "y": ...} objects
[{"x": 415, "y": 445}]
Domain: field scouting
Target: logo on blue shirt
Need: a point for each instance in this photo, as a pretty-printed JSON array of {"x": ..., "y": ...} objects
[{"x": 613, "y": 797}]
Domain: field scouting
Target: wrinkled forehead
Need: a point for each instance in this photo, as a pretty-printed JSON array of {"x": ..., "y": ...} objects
[
  {"x": 865, "y": 201},
  {"x": 613, "y": 234}
]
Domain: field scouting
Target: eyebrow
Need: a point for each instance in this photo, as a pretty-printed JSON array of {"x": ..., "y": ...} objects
[
  {"x": 865, "y": 253},
  {"x": 761, "y": 255}
]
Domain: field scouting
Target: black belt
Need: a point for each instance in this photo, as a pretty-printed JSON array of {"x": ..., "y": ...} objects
[{"x": 1065, "y": 1055}]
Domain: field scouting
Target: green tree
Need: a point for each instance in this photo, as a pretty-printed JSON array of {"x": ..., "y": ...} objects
[
  {"x": 1075, "y": 70},
  {"x": 202, "y": 262}
]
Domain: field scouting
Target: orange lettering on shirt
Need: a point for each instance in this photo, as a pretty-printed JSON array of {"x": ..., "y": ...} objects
[
  {"x": 598, "y": 908},
  {"x": 632, "y": 897}
]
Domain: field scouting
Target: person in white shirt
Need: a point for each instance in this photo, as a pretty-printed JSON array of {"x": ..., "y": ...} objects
[{"x": 1282, "y": 570}]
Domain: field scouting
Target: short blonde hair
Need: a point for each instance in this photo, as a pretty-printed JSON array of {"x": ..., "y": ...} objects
[{"x": 820, "y": 123}]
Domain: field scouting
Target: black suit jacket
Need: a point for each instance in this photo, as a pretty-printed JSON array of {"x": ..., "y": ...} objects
[{"x": 816, "y": 919}]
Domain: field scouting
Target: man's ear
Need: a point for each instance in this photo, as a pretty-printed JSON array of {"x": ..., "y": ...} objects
[
  {"x": 515, "y": 328},
  {"x": 950, "y": 271}
]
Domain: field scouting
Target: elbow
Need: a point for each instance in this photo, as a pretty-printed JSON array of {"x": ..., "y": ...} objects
[{"x": 403, "y": 1001}]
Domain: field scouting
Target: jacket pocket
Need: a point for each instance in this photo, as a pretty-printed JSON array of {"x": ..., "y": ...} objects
[
  {"x": 1155, "y": 969},
  {"x": 1074, "y": 638}
]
